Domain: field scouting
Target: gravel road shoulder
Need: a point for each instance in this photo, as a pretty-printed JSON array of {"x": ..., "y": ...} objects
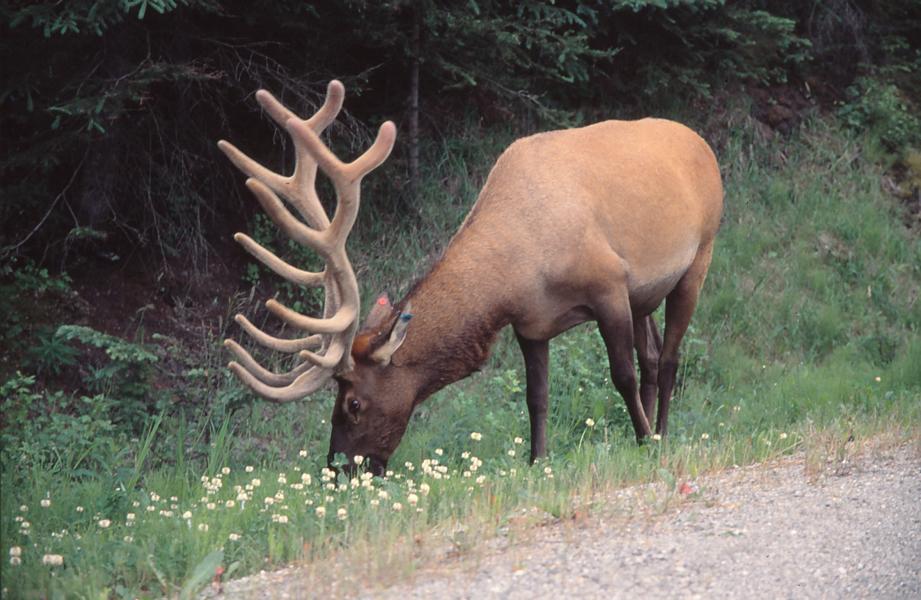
[{"x": 775, "y": 530}]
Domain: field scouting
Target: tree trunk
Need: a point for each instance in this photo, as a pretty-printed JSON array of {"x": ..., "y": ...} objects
[{"x": 414, "y": 99}]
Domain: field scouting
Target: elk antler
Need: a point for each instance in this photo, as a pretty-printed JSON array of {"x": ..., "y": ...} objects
[{"x": 332, "y": 334}]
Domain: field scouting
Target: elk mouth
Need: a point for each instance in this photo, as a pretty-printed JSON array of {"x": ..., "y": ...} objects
[{"x": 373, "y": 464}]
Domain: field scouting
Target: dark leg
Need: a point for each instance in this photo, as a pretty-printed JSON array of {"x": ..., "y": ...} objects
[
  {"x": 536, "y": 359},
  {"x": 616, "y": 325},
  {"x": 648, "y": 345},
  {"x": 679, "y": 306}
]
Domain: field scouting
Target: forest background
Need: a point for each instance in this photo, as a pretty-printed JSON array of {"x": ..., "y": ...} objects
[{"x": 119, "y": 277}]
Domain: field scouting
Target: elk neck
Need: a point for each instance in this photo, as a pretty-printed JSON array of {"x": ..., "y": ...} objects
[{"x": 458, "y": 310}]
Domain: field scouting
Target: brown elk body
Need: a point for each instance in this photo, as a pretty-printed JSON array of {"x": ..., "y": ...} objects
[{"x": 598, "y": 223}]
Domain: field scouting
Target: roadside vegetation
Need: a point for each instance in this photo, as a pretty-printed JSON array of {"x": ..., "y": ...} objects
[{"x": 134, "y": 465}]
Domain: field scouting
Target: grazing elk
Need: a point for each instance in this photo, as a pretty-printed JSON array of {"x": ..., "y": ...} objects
[{"x": 598, "y": 223}]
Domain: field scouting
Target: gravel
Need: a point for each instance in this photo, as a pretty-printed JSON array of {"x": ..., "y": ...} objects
[{"x": 777, "y": 530}]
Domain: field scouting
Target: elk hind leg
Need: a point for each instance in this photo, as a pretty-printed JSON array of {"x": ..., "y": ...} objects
[
  {"x": 536, "y": 360},
  {"x": 679, "y": 306},
  {"x": 648, "y": 345},
  {"x": 615, "y": 322}
]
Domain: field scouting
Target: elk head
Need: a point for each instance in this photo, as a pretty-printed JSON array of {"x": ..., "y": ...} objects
[{"x": 364, "y": 424}]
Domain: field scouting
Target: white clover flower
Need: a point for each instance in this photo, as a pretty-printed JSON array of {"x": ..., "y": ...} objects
[
  {"x": 233, "y": 537},
  {"x": 476, "y": 436},
  {"x": 154, "y": 498},
  {"x": 656, "y": 437},
  {"x": 481, "y": 479},
  {"x": 439, "y": 451},
  {"x": 302, "y": 454},
  {"x": 397, "y": 506},
  {"x": 783, "y": 436},
  {"x": 548, "y": 471},
  {"x": 211, "y": 506},
  {"x": 269, "y": 500},
  {"x": 589, "y": 422},
  {"x": 242, "y": 497},
  {"x": 187, "y": 514},
  {"x": 375, "y": 502},
  {"x": 15, "y": 561},
  {"x": 330, "y": 486},
  {"x": 305, "y": 477},
  {"x": 424, "y": 489},
  {"x": 877, "y": 379},
  {"x": 128, "y": 539},
  {"x": 255, "y": 483},
  {"x": 518, "y": 440},
  {"x": 358, "y": 458},
  {"x": 412, "y": 499},
  {"x": 151, "y": 508},
  {"x": 342, "y": 514},
  {"x": 383, "y": 494},
  {"x": 15, "y": 551},
  {"x": 354, "y": 482},
  {"x": 54, "y": 560},
  {"x": 511, "y": 453},
  {"x": 705, "y": 436},
  {"x": 104, "y": 523},
  {"x": 467, "y": 473},
  {"x": 230, "y": 504},
  {"x": 283, "y": 519},
  {"x": 45, "y": 502},
  {"x": 282, "y": 479},
  {"x": 343, "y": 487},
  {"x": 23, "y": 508},
  {"x": 130, "y": 517},
  {"x": 224, "y": 471},
  {"x": 465, "y": 455},
  {"x": 321, "y": 511},
  {"x": 203, "y": 527},
  {"x": 248, "y": 468}
]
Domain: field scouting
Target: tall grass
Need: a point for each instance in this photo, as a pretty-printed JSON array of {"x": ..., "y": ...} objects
[{"x": 807, "y": 330}]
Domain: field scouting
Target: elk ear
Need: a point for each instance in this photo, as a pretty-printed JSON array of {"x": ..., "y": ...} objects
[
  {"x": 380, "y": 313},
  {"x": 383, "y": 354}
]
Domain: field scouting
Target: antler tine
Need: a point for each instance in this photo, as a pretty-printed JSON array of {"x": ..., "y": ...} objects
[
  {"x": 280, "y": 344},
  {"x": 259, "y": 372},
  {"x": 289, "y": 272},
  {"x": 304, "y": 385}
]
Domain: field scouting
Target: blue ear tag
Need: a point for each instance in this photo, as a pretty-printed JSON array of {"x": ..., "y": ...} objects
[{"x": 405, "y": 317}]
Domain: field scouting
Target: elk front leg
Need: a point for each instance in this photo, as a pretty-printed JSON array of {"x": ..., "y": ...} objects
[{"x": 536, "y": 359}]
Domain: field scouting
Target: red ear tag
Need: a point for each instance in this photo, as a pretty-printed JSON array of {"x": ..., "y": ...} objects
[{"x": 382, "y": 300}]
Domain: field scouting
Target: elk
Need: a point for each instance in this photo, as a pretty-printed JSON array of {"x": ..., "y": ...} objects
[{"x": 602, "y": 223}]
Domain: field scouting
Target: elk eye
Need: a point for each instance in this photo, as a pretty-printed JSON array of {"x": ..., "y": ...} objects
[{"x": 354, "y": 405}]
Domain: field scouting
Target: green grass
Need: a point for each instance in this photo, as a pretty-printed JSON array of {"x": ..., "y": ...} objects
[{"x": 807, "y": 332}]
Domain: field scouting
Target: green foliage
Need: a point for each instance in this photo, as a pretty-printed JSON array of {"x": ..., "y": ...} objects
[
  {"x": 124, "y": 376},
  {"x": 882, "y": 111},
  {"x": 29, "y": 299},
  {"x": 55, "y": 431}
]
